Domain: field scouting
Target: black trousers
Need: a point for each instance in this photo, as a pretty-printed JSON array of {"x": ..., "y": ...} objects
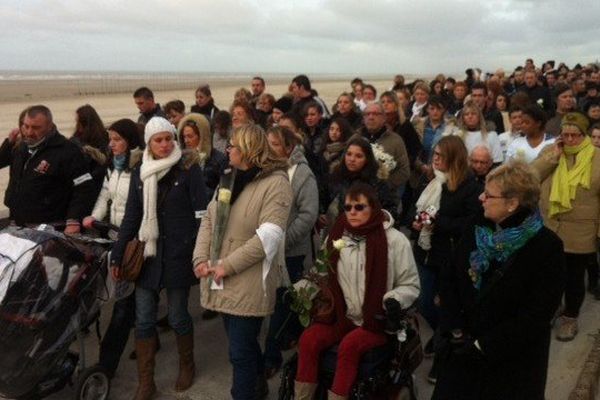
[{"x": 577, "y": 264}]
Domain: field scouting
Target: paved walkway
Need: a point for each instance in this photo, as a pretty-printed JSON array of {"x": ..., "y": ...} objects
[{"x": 214, "y": 372}]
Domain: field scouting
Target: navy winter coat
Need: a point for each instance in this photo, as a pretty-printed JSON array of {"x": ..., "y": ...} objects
[{"x": 182, "y": 195}]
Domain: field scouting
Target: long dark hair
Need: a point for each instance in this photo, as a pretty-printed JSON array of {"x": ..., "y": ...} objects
[
  {"x": 345, "y": 129},
  {"x": 368, "y": 173},
  {"x": 90, "y": 129}
]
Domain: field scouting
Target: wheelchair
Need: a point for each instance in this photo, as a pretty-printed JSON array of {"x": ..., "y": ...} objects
[{"x": 384, "y": 372}]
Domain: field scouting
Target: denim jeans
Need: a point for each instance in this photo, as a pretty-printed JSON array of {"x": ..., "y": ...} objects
[
  {"x": 117, "y": 334},
  {"x": 283, "y": 324},
  {"x": 428, "y": 279},
  {"x": 245, "y": 354},
  {"x": 146, "y": 304}
]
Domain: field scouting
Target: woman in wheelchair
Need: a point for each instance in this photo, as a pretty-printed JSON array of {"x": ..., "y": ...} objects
[{"x": 375, "y": 269}]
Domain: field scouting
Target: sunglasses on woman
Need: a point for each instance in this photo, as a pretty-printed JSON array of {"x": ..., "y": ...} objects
[{"x": 358, "y": 207}]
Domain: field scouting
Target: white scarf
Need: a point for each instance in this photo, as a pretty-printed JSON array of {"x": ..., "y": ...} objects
[
  {"x": 151, "y": 171},
  {"x": 416, "y": 110},
  {"x": 431, "y": 196}
]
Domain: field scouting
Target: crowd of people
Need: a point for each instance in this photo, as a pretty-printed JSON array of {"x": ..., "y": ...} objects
[{"x": 477, "y": 200}]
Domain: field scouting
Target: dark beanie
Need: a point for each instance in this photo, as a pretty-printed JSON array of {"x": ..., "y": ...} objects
[
  {"x": 128, "y": 130},
  {"x": 284, "y": 104}
]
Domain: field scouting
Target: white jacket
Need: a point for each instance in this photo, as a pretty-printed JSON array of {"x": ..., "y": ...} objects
[
  {"x": 403, "y": 278},
  {"x": 115, "y": 190}
]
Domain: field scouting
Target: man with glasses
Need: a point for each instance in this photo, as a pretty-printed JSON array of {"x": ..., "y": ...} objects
[{"x": 376, "y": 132}]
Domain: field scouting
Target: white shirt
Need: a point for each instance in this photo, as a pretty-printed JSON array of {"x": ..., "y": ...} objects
[
  {"x": 521, "y": 150},
  {"x": 473, "y": 139},
  {"x": 506, "y": 139}
]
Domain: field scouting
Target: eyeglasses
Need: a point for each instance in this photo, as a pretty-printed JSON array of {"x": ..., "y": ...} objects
[
  {"x": 230, "y": 146},
  {"x": 358, "y": 207},
  {"x": 571, "y": 136},
  {"x": 487, "y": 196}
]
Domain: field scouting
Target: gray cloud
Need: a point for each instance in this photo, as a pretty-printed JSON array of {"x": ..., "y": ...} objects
[{"x": 375, "y": 36}]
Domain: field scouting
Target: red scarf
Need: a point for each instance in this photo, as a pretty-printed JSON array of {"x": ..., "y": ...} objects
[{"x": 375, "y": 270}]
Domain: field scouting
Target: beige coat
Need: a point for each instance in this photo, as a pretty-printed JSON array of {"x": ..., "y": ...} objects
[
  {"x": 577, "y": 228},
  {"x": 266, "y": 199}
]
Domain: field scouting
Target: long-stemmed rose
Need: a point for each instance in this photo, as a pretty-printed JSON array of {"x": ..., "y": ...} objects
[
  {"x": 304, "y": 292},
  {"x": 222, "y": 217}
]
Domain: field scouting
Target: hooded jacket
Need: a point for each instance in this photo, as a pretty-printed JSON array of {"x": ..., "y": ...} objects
[{"x": 305, "y": 206}]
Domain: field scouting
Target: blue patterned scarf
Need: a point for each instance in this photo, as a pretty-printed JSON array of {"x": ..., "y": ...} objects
[{"x": 500, "y": 245}]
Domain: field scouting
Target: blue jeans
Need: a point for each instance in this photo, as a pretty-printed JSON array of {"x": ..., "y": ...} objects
[
  {"x": 245, "y": 354},
  {"x": 284, "y": 324},
  {"x": 428, "y": 277},
  {"x": 117, "y": 334},
  {"x": 146, "y": 304}
]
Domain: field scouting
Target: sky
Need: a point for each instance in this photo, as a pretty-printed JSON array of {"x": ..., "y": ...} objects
[{"x": 295, "y": 36}]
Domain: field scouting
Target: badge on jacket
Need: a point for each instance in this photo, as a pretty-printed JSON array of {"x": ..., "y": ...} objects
[{"x": 42, "y": 167}]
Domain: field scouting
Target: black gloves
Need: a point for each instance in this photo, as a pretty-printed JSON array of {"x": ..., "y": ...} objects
[{"x": 394, "y": 315}]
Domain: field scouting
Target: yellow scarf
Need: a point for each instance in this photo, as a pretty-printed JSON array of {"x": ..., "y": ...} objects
[{"x": 565, "y": 180}]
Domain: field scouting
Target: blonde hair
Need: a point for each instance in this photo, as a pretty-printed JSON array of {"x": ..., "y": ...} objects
[
  {"x": 252, "y": 142},
  {"x": 517, "y": 180},
  {"x": 471, "y": 106}
]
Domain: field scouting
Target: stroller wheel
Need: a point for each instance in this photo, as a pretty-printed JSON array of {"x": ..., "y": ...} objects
[{"x": 92, "y": 384}]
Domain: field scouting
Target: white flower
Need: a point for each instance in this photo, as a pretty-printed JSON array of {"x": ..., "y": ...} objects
[
  {"x": 224, "y": 196},
  {"x": 339, "y": 244},
  {"x": 540, "y": 102},
  {"x": 384, "y": 159}
]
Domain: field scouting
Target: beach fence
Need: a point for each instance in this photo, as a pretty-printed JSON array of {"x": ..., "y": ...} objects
[{"x": 39, "y": 86}]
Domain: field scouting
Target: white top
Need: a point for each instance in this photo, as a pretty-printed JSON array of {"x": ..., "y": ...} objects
[
  {"x": 473, "y": 139},
  {"x": 521, "y": 150},
  {"x": 506, "y": 139}
]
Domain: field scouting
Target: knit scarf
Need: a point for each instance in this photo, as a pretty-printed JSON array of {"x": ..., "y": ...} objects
[
  {"x": 500, "y": 245},
  {"x": 333, "y": 150},
  {"x": 565, "y": 180},
  {"x": 151, "y": 171},
  {"x": 430, "y": 197},
  {"x": 119, "y": 162},
  {"x": 375, "y": 269}
]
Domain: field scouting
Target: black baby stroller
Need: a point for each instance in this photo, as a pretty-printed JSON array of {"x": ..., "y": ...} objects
[
  {"x": 384, "y": 372},
  {"x": 51, "y": 289}
]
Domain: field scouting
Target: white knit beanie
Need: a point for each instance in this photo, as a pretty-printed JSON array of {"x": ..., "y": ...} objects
[{"x": 157, "y": 125}]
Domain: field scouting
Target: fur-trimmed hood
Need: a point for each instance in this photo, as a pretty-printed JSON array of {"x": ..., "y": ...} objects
[{"x": 203, "y": 126}]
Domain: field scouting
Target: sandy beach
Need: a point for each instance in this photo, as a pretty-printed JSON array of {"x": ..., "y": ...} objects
[{"x": 64, "y": 96}]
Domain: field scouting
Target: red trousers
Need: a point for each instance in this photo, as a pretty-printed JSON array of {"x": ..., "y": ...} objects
[{"x": 353, "y": 344}]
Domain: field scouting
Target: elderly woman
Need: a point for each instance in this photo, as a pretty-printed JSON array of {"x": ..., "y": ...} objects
[
  {"x": 376, "y": 268},
  {"x": 298, "y": 246},
  {"x": 166, "y": 197},
  {"x": 499, "y": 299},
  {"x": 570, "y": 175},
  {"x": 247, "y": 269}
]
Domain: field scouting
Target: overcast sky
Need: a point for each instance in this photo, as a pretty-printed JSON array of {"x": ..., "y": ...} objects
[{"x": 312, "y": 36}]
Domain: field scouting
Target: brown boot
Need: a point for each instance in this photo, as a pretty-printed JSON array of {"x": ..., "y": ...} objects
[
  {"x": 145, "y": 350},
  {"x": 333, "y": 396},
  {"x": 304, "y": 390},
  {"x": 187, "y": 368}
]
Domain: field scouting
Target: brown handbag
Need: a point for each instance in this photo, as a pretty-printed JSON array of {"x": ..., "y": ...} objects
[
  {"x": 323, "y": 310},
  {"x": 132, "y": 261}
]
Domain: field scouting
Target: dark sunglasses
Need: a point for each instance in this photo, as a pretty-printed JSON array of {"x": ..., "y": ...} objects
[{"x": 357, "y": 207}]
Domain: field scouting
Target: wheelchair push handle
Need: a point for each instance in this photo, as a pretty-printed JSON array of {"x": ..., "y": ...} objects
[{"x": 104, "y": 227}]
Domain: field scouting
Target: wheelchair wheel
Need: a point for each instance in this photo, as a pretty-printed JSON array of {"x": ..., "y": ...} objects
[
  {"x": 288, "y": 375},
  {"x": 92, "y": 384}
]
